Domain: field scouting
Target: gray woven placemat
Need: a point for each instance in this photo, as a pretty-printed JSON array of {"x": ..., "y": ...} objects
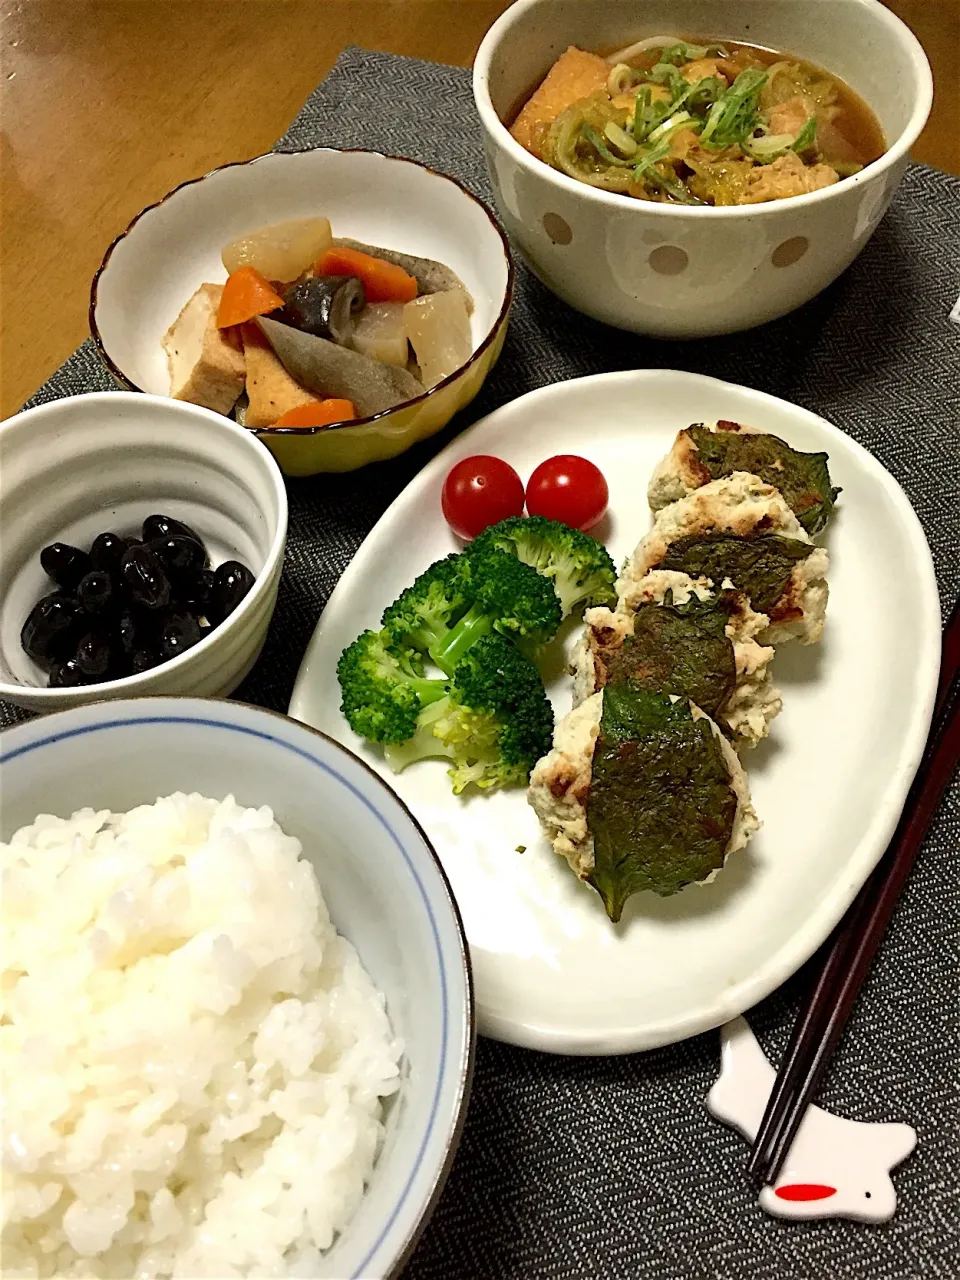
[{"x": 575, "y": 1168}]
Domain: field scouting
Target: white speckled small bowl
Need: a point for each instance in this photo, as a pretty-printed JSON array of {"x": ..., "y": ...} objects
[
  {"x": 379, "y": 875},
  {"x": 79, "y": 466},
  {"x": 666, "y": 269}
]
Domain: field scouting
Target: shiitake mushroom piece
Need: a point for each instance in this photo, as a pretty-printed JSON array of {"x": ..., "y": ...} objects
[{"x": 324, "y": 306}]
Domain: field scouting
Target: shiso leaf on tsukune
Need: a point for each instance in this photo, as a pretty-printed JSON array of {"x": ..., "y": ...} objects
[
  {"x": 702, "y": 453},
  {"x": 641, "y": 792}
]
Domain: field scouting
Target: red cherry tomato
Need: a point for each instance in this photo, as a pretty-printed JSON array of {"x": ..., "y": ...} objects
[
  {"x": 570, "y": 489},
  {"x": 478, "y": 492}
]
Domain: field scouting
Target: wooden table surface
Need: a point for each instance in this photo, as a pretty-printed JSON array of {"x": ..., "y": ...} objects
[{"x": 107, "y": 104}]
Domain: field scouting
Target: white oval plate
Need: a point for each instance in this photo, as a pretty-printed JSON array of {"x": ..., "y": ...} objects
[{"x": 551, "y": 972}]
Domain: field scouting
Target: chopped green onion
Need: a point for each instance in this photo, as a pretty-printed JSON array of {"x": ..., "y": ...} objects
[
  {"x": 682, "y": 120},
  {"x": 664, "y": 73},
  {"x": 705, "y": 92},
  {"x": 621, "y": 78},
  {"x": 647, "y": 114},
  {"x": 650, "y": 158},
  {"x": 767, "y": 148},
  {"x": 683, "y": 52},
  {"x": 587, "y": 131},
  {"x": 806, "y": 135},
  {"x": 619, "y": 138},
  {"x": 845, "y": 168},
  {"x": 735, "y": 114}
]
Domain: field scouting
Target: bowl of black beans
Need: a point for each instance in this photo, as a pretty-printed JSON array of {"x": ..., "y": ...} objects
[{"x": 142, "y": 542}]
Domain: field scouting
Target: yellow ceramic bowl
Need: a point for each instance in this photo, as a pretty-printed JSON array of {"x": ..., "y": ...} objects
[{"x": 172, "y": 247}]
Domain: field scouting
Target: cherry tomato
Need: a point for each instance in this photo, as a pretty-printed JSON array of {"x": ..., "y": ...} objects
[
  {"x": 478, "y": 492},
  {"x": 568, "y": 488}
]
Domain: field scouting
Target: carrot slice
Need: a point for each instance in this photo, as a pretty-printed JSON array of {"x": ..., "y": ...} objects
[
  {"x": 383, "y": 281},
  {"x": 321, "y": 414},
  {"x": 246, "y": 294}
]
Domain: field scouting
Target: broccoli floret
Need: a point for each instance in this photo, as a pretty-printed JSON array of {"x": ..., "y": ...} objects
[
  {"x": 494, "y": 724},
  {"x": 424, "y": 613},
  {"x": 460, "y": 599},
  {"x": 384, "y": 687},
  {"x": 579, "y": 566}
]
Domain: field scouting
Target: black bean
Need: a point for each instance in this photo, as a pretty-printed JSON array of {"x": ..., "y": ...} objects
[
  {"x": 95, "y": 655},
  {"x": 95, "y": 591},
  {"x": 49, "y": 634},
  {"x": 162, "y": 526},
  {"x": 183, "y": 557},
  {"x": 107, "y": 552},
  {"x": 180, "y": 633},
  {"x": 143, "y": 660},
  {"x": 142, "y": 572},
  {"x": 67, "y": 675},
  {"x": 66, "y": 565},
  {"x": 195, "y": 593},
  {"x": 231, "y": 582}
]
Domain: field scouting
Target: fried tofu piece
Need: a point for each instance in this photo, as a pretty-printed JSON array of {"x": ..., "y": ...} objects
[
  {"x": 702, "y": 68},
  {"x": 787, "y": 176},
  {"x": 573, "y": 76},
  {"x": 206, "y": 363},
  {"x": 271, "y": 390}
]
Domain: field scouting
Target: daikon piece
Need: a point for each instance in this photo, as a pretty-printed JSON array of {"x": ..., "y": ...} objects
[
  {"x": 281, "y": 251},
  {"x": 438, "y": 328},
  {"x": 380, "y": 334}
]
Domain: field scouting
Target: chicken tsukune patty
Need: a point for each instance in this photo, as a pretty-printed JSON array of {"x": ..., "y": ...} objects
[
  {"x": 702, "y": 453},
  {"x": 676, "y": 634},
  {"x": 739, "y": 532},
  {"x": 641, "y": 791}
]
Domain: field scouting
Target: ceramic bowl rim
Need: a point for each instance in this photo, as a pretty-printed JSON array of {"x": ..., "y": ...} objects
[
  {"x": 499, "y": 133},
  {"x": 480, "y": 350},
  {"x": 132, "y": 685},
  {"x": 464, "y": 1085}
]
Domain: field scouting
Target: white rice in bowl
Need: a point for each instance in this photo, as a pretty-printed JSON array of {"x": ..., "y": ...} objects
[{"x": 193, "y": 1059}]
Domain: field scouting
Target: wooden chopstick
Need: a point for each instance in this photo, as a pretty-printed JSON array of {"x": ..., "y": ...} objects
[{"x": 850, "y": 952}]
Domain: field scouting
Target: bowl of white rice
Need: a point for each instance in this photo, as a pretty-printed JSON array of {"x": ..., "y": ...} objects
[{"x": 237, "y": 1022}]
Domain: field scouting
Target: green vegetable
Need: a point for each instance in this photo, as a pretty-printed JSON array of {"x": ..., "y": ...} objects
[
  {"x": 601, "y": 148},
  {"x": 806, "y": 135},
  {"x": 680, "y": 120},
  {"x": 758, "y": 566},
  {"x": 661, "y": 807},
  {"x": 494, "y": 721},
  {"x": 802, "y": 478},
  {"x": 767, "y": 147},
  {"x": 683, "y": 52},
  {"x": 578, "y": 566},
  {"x": 620, "y": 139},
  {"x": 458, "y": 600},
  {"x": 736, "y": 113},
  {"x": 679, "y": 649},
  {"x": 647, "y": 114},
  {"x": 383, "y": 687},
  {"x": 424, "y": 613}
]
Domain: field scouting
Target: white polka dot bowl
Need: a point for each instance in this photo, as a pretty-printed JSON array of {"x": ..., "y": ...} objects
[{"x": 668, "y": 270}]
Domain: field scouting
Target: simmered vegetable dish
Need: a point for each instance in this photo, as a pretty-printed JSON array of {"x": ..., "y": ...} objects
[
  {"x": 309, "y": 331},
  {"x": 713, "y": 123}
]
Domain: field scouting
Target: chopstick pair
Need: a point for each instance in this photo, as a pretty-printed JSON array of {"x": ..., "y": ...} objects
[{"x": 850, "y": 952}]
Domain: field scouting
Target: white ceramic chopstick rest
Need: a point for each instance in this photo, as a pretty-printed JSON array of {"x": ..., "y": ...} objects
[{"x": 836, "y": 1168}]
